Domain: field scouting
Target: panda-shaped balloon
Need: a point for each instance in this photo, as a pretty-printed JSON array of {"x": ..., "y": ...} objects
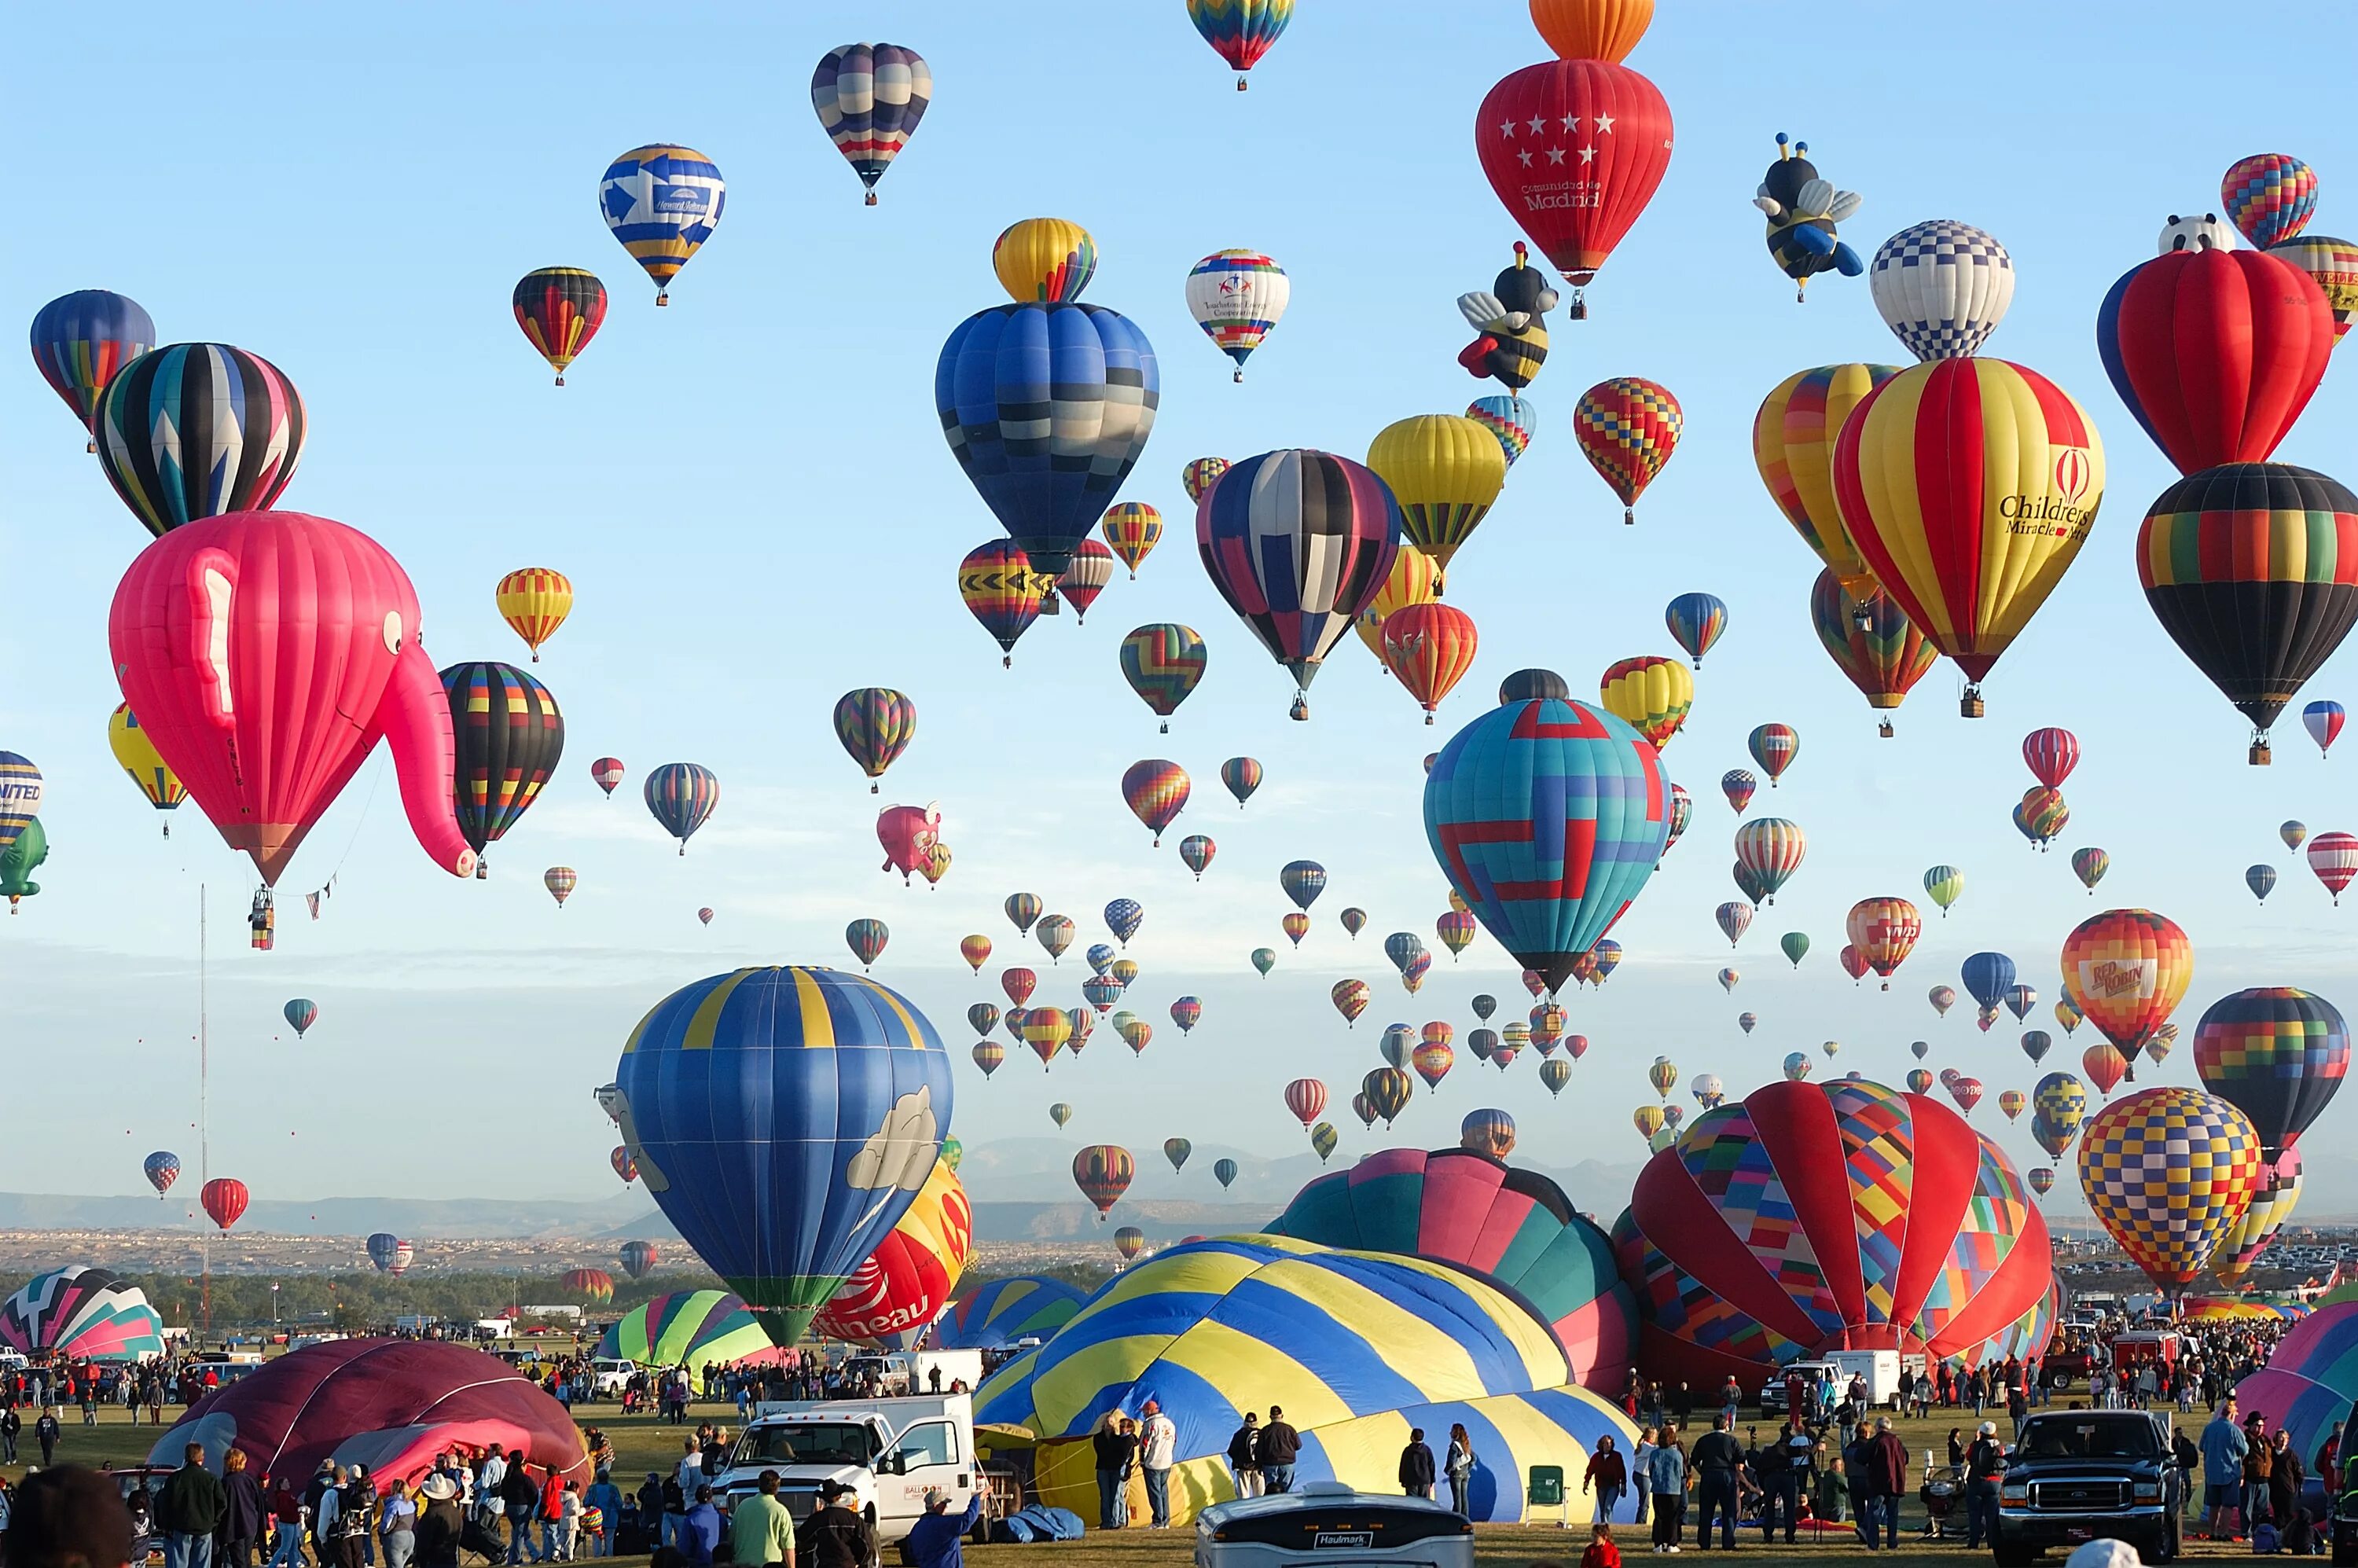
[
  {"x": 1802, "y": 212},
  {"x": 2208, "y": 232},
  {"x": 1511, "y": 318}
]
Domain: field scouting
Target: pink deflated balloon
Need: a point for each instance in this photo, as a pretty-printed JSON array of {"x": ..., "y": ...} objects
[{"x": 266, "y": 653}]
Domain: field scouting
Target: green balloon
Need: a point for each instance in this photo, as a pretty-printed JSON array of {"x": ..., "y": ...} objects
[
  {"x": 1795, "y": 944},
  {"x": 31, "y": 847}
]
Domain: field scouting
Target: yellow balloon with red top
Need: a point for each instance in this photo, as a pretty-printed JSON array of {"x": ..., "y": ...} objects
[
  {"x": 1969, "y": 486},
  {"x": 534, "y": 603},
  {"x": 1650, "y": 694}
]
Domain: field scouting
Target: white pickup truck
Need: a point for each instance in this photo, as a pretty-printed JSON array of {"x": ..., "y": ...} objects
[{"x": 889, "y": 1452}]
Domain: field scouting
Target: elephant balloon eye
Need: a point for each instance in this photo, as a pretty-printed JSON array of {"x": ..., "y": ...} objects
[{"x": 393, "y": 631}]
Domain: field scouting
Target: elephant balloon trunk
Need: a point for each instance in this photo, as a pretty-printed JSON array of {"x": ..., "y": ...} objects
[{"x": 415, "y": 719}]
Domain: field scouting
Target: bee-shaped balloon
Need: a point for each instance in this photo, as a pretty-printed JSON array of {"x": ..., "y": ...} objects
[
  {"x": 1802, "y": 212},
  {"x": 1511, "y": 318}
]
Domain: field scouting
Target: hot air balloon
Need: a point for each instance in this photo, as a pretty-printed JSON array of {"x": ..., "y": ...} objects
[
  {"x": 1237, "y": 298},
  {"x": 1795, "y": 946},
  {"x": 1793, "y": 437},
  {"x": 875, "y": 725},
  {"x": 1485, "y": 1004},
  {"x": 198, "y": 430},
  {"x": 909, "y": 835},
  {"x": 1852, "y": 962},
  {"x": 2242, "y": 565},
  {"x": 2278, "y": 1055},
  {"x": 1240, "y": 31},
  {"x": 1987, "y": 977},
  {"x": 162, "y": 1169},
  {"x": 837, "y": 1094},
  {"x": 559, "y": 310},
  {"x": 2168, "y": 1171},
  {"x": 1739, "y": 785},
  {"x": 1771, "y": 847},
  {"x": 2050, "y": 754},
  {"x": 1399, "y": 1043},
  {"x": 1547, "y": 866},
  {"x": 2041, "y": 815},
  {"x": 865, "y": 938},
  {"x": 638, "y": 1258},
  {"x": 1941, "y": 471},
  {"x": 682, "y": 797},
  {"x": 1129, "y": 1242},
  {"x": 1018, "y": 984},
  {"x": 1195, "y": 852},
  {"x": 1055, "y": 934},
  {"x": 1884, "y": 930},
  {"x": 1224, "y": 1172},
  {"x": 1511, "y": 419},
  {"x": 1872, "y": 641},
  {"x": 1944, "y": 885},
  {"x": 2019, "y": 1000},
  {"x": 1084, "y": 576},
  {"x": 1747, "y": 1021},
  {"x": 1163, "y": 663},
  {"x": 2058, "y": 1104},
  {"x": 1942, "y": 287},
  {"x": 1201, "y": 474},
  {"x": 1298, "y": 543},
  {"x": 1103, "y": 1173},
  {"x": 1185, "y": 1011},
  {"x": 1264, "y": 959},
  {"x": 1303, "y": 882},
  {"x": 509, "y": 738},
  {"x": 1296, "y": 925},
  {"x": 1060, "y": 1113},
  {"x": 606, "y": 773},
  {"x": 2333, "y": 857},
  {"x": 82, "y": 340},
  {"x": 2105, "y": 1065},
  {"x": 1242, "y": 775},
  {"x": 223, "y": 1199},
  {"x": 1664, "y": 1076},
  {"x": 1132, "y": 529},
  {"x": 2323, "y": 720},
  {"x": 1774, "y": 747},
  {"x": 1546, "y": 1026},
  {"x": 2333, "y": 265},
  {"x": 560, "y": 882},
  {"x": 1305, "y": 1097},
  {"x": 264, "y": 690},
  {"x": 2088, "y": 866},
  {"x": 1735, "y": 918},
  {"x": 2240, "y": 1248},
  {"x": 2270, "y": 197},
  {"x": 1651, "y": 694},
  {"x": 1966, "y": 1092},
  {"x": 661, "y": 203},
  {"x": 988, "y": 1054},
  {"x": 1445, "y": 471},
  {"x": 2127, "y": 969},
  {"x": 1002, "y": 591},
  {"x": 1574, "y": 149},
  {"x": 1123, "y": 916},
  {"x": 1155, "y": 792},
  {"x": 1135, "y": 1031},
  {"x": 1046, "y": 261},
  {"x": 999, "y": 367},
  {"x": 1627, "y": 429},
  {"x": 869, "y": 98},
  {"x": 1387, "y": 1091},
  {"x": 1046, "y": 1030},
  {"x": 1429, "y": 648},
  {"x": 1431, "y": 1061},
  {"x": 138, "y": 757},
  {"x": 1697, "y": 621}
]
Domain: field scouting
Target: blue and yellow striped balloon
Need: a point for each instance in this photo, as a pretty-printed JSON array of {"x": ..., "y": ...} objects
[
  {"x": 20, "y": 796},
  {"x": 1696, "y": 620},
  {"x": 661, "y": 203},
  {"x": 995, "y": 1316},
  {"x": 784, "y": 1118}
]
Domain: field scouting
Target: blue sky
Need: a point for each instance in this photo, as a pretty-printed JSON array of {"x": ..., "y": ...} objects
[{"x": 753, "y": 497}]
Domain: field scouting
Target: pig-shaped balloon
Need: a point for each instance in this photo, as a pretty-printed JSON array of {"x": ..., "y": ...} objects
[
  {"x": 908, "y": 834},
  {"x": 265, "y": 653}
]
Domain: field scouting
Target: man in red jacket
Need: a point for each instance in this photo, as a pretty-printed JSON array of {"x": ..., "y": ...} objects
[{"x": 1887, "y": 1463}]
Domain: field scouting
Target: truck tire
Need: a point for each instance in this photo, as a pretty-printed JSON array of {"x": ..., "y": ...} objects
[
  {"x": 2010, "y": 1555},
  {"x": 2165, "y": 1544}
]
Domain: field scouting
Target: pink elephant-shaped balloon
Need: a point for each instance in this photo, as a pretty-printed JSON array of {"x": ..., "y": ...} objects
[
  {"x": 908, "y": 834},
  {"x": 265, "y": 653}
]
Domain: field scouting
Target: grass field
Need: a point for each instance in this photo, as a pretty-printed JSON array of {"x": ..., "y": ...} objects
[{"x": 643, "y": 1443}]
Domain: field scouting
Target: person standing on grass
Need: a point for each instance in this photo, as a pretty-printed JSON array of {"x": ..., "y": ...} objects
[
  {"x": 1607, "y": 1476},
  {"x": 1281, "y": 1445},
  {"x": 760, "y": 1531},
  {"x": 396, "y": 1525},
  {"x": 1457, "y": 1463},
  {"x": 519, "y": 1499},
  {"x": 1667, "y": 1474},
  {"x": 1641, "y": 1484},
  {"x": 46, "y": 1432},
  {"x": 1244, "y": 1456},
  {"x": 1416, "y": 1467},
  {"x": 934, "y": 1539},
  {"x": 2223, "y": 1449},
  {"x": 1157, "y": 1441},
  {"x": 1985, "y": 1469},
  {"x": 607, "y": 1498},
  {"x": 1887, "y": 1458},
  {"x": 188, "y": 1508},
  {"x": 1112, "y": 1452},
  {"x": 244, "y": 1513},
  {"x": 700, "y": 1535},
  {"x": 287, "y": 1517},
  {"x": 1717, "y": 1458}
]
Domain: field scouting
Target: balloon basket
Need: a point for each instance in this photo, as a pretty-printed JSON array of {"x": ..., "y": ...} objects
[
  {"x": 560, "y": 381},
  {"x": 2260, "y": 756},
  {"x": 87, "y": 447},
  {"x": 1971, "y": 705},
  {"x": 1628, "y": 515},
  {"x": 1884, "y": 729},
  {"x": 662, "y": 300},
  {"x": 871, "y": 198},
  {"x": 1242, "y": 85}
]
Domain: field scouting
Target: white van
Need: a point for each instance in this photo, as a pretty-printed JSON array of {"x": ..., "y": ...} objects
[
  {"x": 889, "y": 1452},
  {"x": 1330, "y": 1524}
]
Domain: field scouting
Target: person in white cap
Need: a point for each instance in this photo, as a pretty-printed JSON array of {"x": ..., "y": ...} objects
[{"x": 1985, "y": 1469}]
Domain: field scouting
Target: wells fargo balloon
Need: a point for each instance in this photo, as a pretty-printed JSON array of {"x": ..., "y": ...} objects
[
  {"x": 1429, "y": 648},
  {"x": 138, "y": 756},
  {"x": 1806, "y": 1218},
  {"x": 2127, "y": 969},
  {"x": 1793, "y": 436},
  {"x": 559, "y": 310},
  {"x": 1650, "y": 694},
  {"x": 817, "y": 1099},
  {"x": 1884, "y": 930},
  {"x": 1047, "y": 479},
  {"x": 895, "y": 1294},
  {"x": 874, "y": 725},
  {"x": 1547, "y": 816},
  {"x": 1298, "y": 543},
  {"x": 266, "y": 654},
  {"x": 2277, "y": 1053},
  {"x": 2252, "y": 571},
  {"x": 1871, "y": 641},
  {"x": 1942, "y": 287},
  {"x": 1043, "y": 261},
  {"x": 1240, "y": 31},
  {"x": 2332, "y": 265},
  {"x": 2168, "y": 1171},
  {"x": 2215, "y": 352},
  {"x": 1445, "y": 471},
  {"x": 1627, "y": 429},
  {"x": 1969, "y": 486},
  {"x": 1103, "y": 1173},
  {"x": 869, "y": 99},
  {"x": 195, "y": 431},
  {"x": 661, "y": 203},
  {"x": 509, "y": 738},
  {"x": 81, "y": 340},
  {"x": 682, "y": 797},
  {"x": 1592, "y": 29},
  {"x": 1574, "y": 149}
]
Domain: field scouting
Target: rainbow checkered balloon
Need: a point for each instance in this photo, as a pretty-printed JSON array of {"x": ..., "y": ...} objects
[
  {"x": 2270, "y": 197},
  {"x": 2169, "y": 1171}
]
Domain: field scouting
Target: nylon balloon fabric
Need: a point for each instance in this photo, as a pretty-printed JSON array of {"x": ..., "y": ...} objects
[
  {"x": 196, "y": 430},
  {"x": 688, "y": 1328},
  {"x": 995, "y": 1316},
  {"x": 783, "y": 1120},
  {"x": 869, "y": 99},
  {"x": 2168, "y": 1171},
  {"x": 899, "y": 1289},
  {"x": 2278, "y": 1054},
  {"x": 509, "y": 737},
  {"x": 82, "y": 1313}
]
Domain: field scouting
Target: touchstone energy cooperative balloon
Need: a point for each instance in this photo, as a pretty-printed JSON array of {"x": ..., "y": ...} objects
[
  {"x": 816, "y": 1099},
  {"x": 82, "y": 340},
  {"x": 869, "y": 99},
  {"x": 1047, "y": 479},
  {"x": 197, "y": 430},
  {"x": 2252, "y": 571},
  {"x": 1298, "y": 543},
  {"x": 266, "y": 654},
  {"x": 559, "y": 310},
  {"x": 1574, "y": 149},
  {"x": 1896, "y": 1225},
  {"x": 1237, "y": 297},
  {"x": 1969, "y": 486},
  {"x": 508, "y": 737},
  {"x": 661, "y": 203},
  {"x": 1548, "y": 818}
]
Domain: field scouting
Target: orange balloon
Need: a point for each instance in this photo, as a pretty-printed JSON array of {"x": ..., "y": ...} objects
[
  {"x": 1592, "y": 29},
  {"x": 1429, "y": 647}
]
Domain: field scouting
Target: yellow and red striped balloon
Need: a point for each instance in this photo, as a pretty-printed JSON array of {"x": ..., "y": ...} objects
[{"x": 534, "y": 603}]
